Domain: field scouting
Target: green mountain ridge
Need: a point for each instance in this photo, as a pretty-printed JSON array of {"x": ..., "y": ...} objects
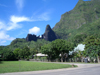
[{"x": 85, "y": 12}]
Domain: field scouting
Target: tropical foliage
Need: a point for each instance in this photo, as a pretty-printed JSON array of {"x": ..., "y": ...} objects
[
  {"x": 92, "y": 46},
  {"x": 57, "y": 47}
]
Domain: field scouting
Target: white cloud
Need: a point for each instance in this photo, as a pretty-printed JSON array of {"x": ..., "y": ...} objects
[
  {"x": 9, "y": 26},
  {"x": 4, "y": 36},
  {"x": 2, "y": 25},
  {"x": 45, "y": 16},
  {"x": 20, "y": 4},
  {"x": 16, "y": 19},
  {"x": 2, "y": 42},
  {"x": 12, "y": 25},
  {"x": 34, "y": 30}
]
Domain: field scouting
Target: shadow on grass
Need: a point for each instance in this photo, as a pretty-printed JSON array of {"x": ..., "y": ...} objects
[{"x": 1, "y": 62}]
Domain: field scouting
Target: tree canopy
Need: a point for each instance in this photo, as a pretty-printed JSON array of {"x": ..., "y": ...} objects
[
  {"x": 92, "y": 46},
  {"x": 24, "y": 53},
  {"x": 57, "y": 47}
]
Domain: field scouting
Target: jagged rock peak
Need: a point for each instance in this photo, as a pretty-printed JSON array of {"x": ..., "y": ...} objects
[
  {"x": 48, "y": 27},
  {"x": 31, "y": 37},
  {"x": 49, "y": 34}
]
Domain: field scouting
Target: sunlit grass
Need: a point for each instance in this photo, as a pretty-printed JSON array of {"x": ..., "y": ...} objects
[{"x": 20, "y": 66}]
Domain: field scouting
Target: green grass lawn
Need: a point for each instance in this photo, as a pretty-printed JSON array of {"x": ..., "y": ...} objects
[{"x": 20, "y": 66}]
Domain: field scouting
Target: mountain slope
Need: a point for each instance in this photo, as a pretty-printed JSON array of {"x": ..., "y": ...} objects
[
  {"x": 88, "y": 30},
  {"x": 85, "y": 12}
]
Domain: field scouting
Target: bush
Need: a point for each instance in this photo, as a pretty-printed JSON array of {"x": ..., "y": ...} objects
[{"x": 9, "y": 56}]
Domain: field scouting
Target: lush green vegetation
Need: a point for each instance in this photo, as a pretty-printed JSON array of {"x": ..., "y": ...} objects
[
  {"x": 21, "y": 49},
  {"x": 92, "y": 48},
  {"x": 83, "y": 19},
  {"x": 57, "y": 47},
  {"x": 20, "y": 43},
  {"x": 19, "y": 66},
  {"x": 52, "y": 49},
  {"x": 86, "y": 30}
]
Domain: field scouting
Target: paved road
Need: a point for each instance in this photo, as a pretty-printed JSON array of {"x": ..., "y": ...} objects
[{"x": 83, "y": 69}]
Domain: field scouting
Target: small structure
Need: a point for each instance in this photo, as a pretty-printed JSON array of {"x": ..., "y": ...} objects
[{"x": 41, "y": 55}]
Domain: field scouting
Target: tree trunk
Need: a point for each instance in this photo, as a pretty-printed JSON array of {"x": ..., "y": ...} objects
[
  {"x": 75, "y": 59},
  {"x": 98, "y": 59},
  {"x": 65, "y": 59},
  {"x": 49, "y": 59},
  {"x": 61, "y": 56},
  {"x": 82, "y": 59}
]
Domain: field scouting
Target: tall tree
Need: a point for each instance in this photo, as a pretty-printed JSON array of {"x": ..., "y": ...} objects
[
  {"x": 61, "y": 47},
  {"x": 92, "y": 47},
  {"x": 16, "y": 53},
  {"x": 33, "y": 51},
  {"x": 8, "y": 55},
  {"x": 79, "y": 38},
  {"x": 47, "y": 49},
  {"x": 24, "y": 53}
]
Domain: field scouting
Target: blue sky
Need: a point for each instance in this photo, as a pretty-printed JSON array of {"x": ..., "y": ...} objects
[{"x": 20, "y": 17}]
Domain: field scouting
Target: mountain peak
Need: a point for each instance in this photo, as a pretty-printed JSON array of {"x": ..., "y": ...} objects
[
  {"x": 49, "y": 34},
  {"x": 48, "y": 28}
]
